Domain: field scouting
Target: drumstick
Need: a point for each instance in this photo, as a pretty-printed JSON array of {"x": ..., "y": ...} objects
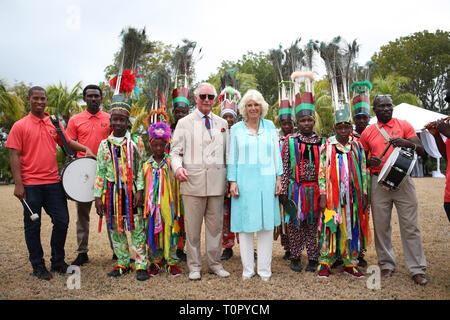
[
  {"x": 33, "y": 216},
  {"x": 385, "y": 150}
]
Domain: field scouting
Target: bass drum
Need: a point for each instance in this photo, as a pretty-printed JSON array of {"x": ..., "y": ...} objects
[
  {"x": 78, "y": 178},
  {"x": 399, "y": 165}
]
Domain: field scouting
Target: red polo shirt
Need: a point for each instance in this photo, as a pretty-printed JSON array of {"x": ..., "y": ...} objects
[
  {"x": 37, "y": 139},
  {"x": 374, "y": 142},
  {"x": 447, "y": 174},
  {"x": 89, "y": 129}
]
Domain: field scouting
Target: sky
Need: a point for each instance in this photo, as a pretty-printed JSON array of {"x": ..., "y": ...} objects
[{"x": 50, "y": 41}]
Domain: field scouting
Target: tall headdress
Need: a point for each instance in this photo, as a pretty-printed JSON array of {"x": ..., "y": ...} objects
[
  {"x": 304, "y": 94},
  {"x": 183, "y": 62},
  {"x": 229, "y": 99},
  {"x": 338, "y": 57},
  {"x": 158, "y": 90},
  {"x": 229, "y": 96},
  {"x": 285, "y": 62},
  {"x": 127, "y": 83},
  {"x": 361, "y": 97}
]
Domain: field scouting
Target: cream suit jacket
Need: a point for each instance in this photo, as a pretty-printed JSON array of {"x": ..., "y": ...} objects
[{"x": 201, "y": 154}]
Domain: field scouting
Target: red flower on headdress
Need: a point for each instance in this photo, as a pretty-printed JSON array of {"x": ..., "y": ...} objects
[{"x": 128, "y": 82}]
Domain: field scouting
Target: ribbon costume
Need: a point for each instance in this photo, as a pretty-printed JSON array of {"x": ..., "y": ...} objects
[
  {"x": 344, "y": 224},
  {"x": 161, "y": 206},
  {"x": 301, "y": 155},
  {"x": 229, "y": 98},
  {"x": 119, "y": 179}
]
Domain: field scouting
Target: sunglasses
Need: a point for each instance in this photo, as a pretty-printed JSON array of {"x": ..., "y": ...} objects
[{"x": 203, "y": 96}]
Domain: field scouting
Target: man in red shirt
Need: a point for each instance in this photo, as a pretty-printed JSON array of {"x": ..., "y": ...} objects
[
  {"x": 443, "y": 127},
  {"x": 89, "y": 128},
  {"x": 32, "y": 143},
  {"x": 401, "y": 134}
]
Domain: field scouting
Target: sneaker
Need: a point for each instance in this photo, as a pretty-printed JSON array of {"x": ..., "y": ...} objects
[
  {"x": 155, "y": 268},
  {"x": 220, "y": 272},
  {"x": 41, "y": 272},
  {"x": 361, "y": 262},
  {"x": 142, "y": 275},
  {"x": 226, "y": 254},
  {"x": 81, "y": 259},
  {"x": 324, "y": 271},
  {"x": 312, "y": 266},
  {"x": 61, "y": 269},
  {"x": 173, "y": 270},
  {"x": 296, "y": 265},
  {"x": 195, "y": 275},
  {"x": 119, "y": 271},
  {"x": 353, "y": 271},
  {"x": 287, "y": 255}
]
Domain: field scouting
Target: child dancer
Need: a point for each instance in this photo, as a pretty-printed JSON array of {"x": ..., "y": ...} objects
[
  {"x": 118, "y": 190},
  {"x": 161, "y": 205}
]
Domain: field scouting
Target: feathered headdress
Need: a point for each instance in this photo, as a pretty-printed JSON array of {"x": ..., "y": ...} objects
[
  {"x": 159, "y": 130},
  {"x": 285, "y": 62},
  {"x": 338, "y": 57},
  {"x": 134, "y": 50},
  {"x": 183, "y": 61},
  {"x": 159, "y": 85}
]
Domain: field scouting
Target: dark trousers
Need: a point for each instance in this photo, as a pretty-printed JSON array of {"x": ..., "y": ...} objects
[
  {"x": 52, "y": 198},
  {"x": 447, "y": 209}
]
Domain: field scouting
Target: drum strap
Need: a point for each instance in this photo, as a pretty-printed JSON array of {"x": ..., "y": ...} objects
[
  {"x": 384, "y": 133},
  {"x": 67, "y": 150}
]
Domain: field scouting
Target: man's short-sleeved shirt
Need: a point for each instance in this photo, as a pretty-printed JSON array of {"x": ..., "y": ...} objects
[
  {"x": 37, "y": 139},
  {"x": 447, "y": 174},
  {"x": 89, "y": 129},
  {"x": 374, "y": 142}
]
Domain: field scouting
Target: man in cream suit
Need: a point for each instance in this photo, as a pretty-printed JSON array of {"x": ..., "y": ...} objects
[{"x": 198, "y": 158}]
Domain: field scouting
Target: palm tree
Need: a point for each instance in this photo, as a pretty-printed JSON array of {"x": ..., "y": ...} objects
[
  {"x": 12, "y": 108},
  {"x": 62, "y": 102},
  {"x": 394, "y": 85}
]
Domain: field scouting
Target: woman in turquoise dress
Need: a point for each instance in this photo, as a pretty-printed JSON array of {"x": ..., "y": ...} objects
[{"x": 254, "y": 173}]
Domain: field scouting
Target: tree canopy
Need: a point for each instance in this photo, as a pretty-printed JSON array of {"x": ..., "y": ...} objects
[{"x": 423, "y": 58}]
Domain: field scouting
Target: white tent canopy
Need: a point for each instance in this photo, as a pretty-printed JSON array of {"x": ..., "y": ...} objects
[{"x": 418, "y": 118}]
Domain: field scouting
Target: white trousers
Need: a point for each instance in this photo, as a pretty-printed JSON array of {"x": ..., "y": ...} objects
[{"x": 264, "y": 251}]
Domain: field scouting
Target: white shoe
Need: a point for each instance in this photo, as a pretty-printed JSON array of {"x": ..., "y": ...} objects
[
  {"x": 195, "y": 275},
  {"x": 266, "y": 279},
  {"x": 247, "y": 277},
  {"x": 221, "y": 273}
]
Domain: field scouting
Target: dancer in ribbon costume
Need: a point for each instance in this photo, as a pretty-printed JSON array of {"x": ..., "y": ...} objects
[
  {"x": 161, "y": 204},
  {"x": 229, "y": 98},
  {"x": 118, "y": 190},
  {"x": 286, "y": 119},
  {"x": 344, "y": 223},
  {"x": 361, "y": 117},
  {"x": 301, "y": 155},
  {"x": 361, "y": 106}
]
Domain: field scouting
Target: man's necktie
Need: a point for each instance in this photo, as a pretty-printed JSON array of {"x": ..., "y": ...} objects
[{"x": 207, "y": 124}]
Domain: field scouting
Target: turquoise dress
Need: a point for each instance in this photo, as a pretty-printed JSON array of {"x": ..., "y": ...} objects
[{"x": 254, "y": 162}]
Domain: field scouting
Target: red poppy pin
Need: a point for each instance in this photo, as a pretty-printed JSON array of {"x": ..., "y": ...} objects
[{"x": 223, "y": 130}]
